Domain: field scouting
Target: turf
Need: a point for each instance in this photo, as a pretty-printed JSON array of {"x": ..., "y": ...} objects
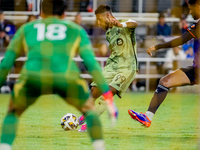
[{"x": 174, "y": 127}]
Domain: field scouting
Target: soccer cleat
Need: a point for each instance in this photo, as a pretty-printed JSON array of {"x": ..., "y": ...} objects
[
  {"x": 83, "y": 128},
  {"x": 140, "y": 117},
  {"x": 81, "y": 120}
]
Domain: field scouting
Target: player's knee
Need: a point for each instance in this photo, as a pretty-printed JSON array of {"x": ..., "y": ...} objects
[
  {"x": 12, "y": 108},
  {"x": 102, "y": 102},
  {"x": 165, "y": 82},
  {"x": 18, "y": 112},
  {"x": 113, "y": 90},
  {"x": 95, "y": 92},
  {"x": 89, "y": 105}
]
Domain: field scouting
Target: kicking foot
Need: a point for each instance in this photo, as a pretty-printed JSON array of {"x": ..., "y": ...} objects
[
  {"x": 81, "y": 120},
  {"x": 83, "y": 128},
  {"x": 140, "y": 117}
]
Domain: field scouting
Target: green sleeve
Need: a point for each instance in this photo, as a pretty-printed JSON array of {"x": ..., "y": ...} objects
[
  {"x": 12, "y": 52},
  {"x": 86, "y": 53}
]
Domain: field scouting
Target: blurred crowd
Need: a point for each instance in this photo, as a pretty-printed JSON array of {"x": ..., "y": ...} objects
[{"x": 160, "y": 31}]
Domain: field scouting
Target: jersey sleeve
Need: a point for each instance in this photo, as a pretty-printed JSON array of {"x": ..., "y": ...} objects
[
  {"x": 130, "y": 20},
  {"x": 12, "y": 52},
  {"x": 86, "y": 53}
]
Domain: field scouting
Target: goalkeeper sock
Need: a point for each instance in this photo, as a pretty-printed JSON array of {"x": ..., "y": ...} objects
[
  {"x": 93, "y": 125},
  {"x": 9, "y": 128},
  {"x": 98, "y": 145},
  {"x": 101, "y": 106}
]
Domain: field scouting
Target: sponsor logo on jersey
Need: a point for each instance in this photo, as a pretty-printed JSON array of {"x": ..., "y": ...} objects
[{"x": 120, "y": 42}]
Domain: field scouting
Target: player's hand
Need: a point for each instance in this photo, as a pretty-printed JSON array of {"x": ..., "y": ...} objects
[
  {"x": 150, "y": 49},
  {"x": 112, "y": 109},
  {"x": 114, "y": 22}
]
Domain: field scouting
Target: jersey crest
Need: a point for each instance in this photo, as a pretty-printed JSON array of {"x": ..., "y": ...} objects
[{"x": 120, "y": 42}]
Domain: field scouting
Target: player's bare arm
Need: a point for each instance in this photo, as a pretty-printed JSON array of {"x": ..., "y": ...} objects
[
  {"x": 131, "y": 24},
  {"x": 173, "y": 43}
]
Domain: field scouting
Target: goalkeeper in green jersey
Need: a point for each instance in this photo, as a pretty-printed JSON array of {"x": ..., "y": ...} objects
[
  {"x": 121, "y": 67},
  {"x": 50, "y": 45}
]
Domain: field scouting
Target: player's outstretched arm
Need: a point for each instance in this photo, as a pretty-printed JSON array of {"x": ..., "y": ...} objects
[
  {"x": 130, "y": 24},
  {"x": 127, "y": 24},
  {"x": 173, "y": 43}
]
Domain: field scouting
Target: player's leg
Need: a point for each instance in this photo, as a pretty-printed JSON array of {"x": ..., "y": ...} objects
[
  {"x": 93, "y": 124},
  {"x": 174, "y": 79},
  {"x": 100, "y": 107},
  {"x": 118, "y": 83},
  {"x": 96, "y": 93},
  {"x": 77, "y": 94},
  {"x": 18, "y": 104},
  {"x": 9, "y": 127}
]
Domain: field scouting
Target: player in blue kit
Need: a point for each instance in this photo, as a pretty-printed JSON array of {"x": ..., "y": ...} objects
[{"x": 180, "y": 77}]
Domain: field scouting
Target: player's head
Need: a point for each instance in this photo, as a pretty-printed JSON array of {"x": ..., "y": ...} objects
[
  {"x": 194, "y": 6},
  {"x": 103, "y": 14},
  {"x": 53, "y": 8}
]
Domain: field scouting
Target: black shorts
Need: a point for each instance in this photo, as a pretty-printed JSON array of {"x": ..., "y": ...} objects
[{"x": 190, "y": 72}]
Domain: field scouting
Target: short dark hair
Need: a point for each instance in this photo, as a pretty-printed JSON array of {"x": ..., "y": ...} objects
[
  {"x": 161, "y": 15},
  {"x": 53, "y": 7},
  {"x": 191, "y": 2},
  {"x": 102, "y": 9}
]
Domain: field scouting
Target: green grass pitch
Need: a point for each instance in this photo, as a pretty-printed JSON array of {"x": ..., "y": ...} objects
[{"x": 174, "y": 127}]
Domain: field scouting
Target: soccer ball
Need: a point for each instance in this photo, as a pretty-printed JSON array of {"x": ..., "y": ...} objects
[{"x": 69, "y": 121}]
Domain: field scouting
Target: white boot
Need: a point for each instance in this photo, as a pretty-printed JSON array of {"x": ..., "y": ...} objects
[
  {"x": 4, "y": 146},
  {"x": 98, "y": 145}
]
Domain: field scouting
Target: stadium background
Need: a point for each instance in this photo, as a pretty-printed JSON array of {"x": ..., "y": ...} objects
[{"x": 176, "y": 126}]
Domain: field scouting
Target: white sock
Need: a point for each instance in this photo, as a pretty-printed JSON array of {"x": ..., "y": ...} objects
[
  {"x": 101, "y": 106},
  {"x": 98, "y": 145},
  {"x": 149, "y": 115},
  {"x": 4, "y": 146}
]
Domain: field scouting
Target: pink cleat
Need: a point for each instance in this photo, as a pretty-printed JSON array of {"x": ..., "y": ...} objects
[
  {"x": 83, "y": 128},
  {"x": 81, "y": 120}
]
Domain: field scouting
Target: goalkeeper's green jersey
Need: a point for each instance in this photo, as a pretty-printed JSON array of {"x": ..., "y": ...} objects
[
  {"x": 50, "y": 45},
  {"x": 123, "y": 49}
]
